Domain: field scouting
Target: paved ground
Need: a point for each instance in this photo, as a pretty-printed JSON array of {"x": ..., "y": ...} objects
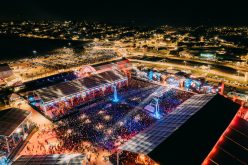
[{"x": 45, "y": 138}]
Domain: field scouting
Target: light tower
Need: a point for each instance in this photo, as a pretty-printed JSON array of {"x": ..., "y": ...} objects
[
  {"x": 155, "y": 101},
  {"x": 115, "y": 99},
  {"x": 157, "y": 111},
  {"x": 150, "y": 75}
]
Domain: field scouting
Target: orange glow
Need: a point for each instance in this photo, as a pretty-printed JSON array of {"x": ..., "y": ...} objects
[
  {"x": 214, "y": 149},
  {"x": 221, "y": 139},
  {"x": 205, "y": 162},
  {"x": 142, "y": 157},
  {"x": 227, "y": 130}
]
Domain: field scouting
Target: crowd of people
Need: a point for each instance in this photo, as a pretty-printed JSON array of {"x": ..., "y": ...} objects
[
  {"x": 168, "y": 101},
  {"x": 58, "y": 109},
  {"x": 172, "y": 98},
  {"x": 131, "y": 158},
  {"x": 106, "y": 126},
  {"x": 103, "y": 125}
]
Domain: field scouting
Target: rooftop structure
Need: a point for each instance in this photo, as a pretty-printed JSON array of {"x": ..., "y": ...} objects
[
  {"x": 187, "y": 127},
  {"x": 14, "y": 128},
  {"x": 11, "y": 119},
  {"x": 120, "y": 64},
  {"x": 66, "y": 89},
  {"x": 231, "y": 147},
  {"x": 55, "y": 159},
  {"x": 148, "y": 140},
  {"x": 5, "y": 71}
]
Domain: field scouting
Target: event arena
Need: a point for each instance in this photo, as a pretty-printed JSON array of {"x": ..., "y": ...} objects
[
  {"x": 113, "y": 82},
  {"x": 114, "y": 113},
  {"x": 106, "y": 105}
]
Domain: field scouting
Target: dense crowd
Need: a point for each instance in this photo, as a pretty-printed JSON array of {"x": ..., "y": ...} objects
[
  {"x": 61, "y": 108},
  {"x": 168, "y": 101},
  {"x": 172, "y": 98},
  {"x": 102, "y": 126},
  {"x": 106, "y": 126},
  {"x": 64, "y": 107}
]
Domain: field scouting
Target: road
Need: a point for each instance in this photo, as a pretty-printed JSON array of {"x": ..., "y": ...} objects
[{"x": 230, "y": 65}]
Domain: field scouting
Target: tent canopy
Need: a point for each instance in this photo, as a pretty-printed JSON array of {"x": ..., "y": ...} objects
[{"x": 10, "y": 119}]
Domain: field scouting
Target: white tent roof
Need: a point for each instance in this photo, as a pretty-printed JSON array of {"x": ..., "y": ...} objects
[{"x": 149, "y": 139}]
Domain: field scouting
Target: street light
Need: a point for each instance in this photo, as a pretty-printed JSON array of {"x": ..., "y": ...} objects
[
  {"x": 238, "y": 73},
  {"x": 184, "y": 63}
]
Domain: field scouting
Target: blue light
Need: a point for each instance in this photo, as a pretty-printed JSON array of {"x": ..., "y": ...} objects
[
  {"x": 115, "y": 94},
  {"x": 188, "y": 83},
  {"x": 156, "y": 114},
  {"x": 3, "y": 160},
  {"x": 158, "y": 76},
  {"x": 150, "y": 75},
  {"x": 31, "y": 98}
]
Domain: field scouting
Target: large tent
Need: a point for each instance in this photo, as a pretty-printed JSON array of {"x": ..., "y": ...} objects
[
  {"x": 12, "y": 123},
  {"x": 66, "y": 89},
  {"x": 10, "y": 119},
  {"x": 188, "y": 134},
  {"x": 232, "y": 147}
]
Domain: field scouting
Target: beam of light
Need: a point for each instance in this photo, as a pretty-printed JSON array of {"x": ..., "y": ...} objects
[
  {"x": 115, "y": 95},
  {"x": 134, "y": 110},
  {"x": 157, "y": 115}
]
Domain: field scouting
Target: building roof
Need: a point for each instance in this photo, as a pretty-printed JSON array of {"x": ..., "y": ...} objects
[
  {"x": 79, "y": 85},
  {"x": 232, "y": 147},
  {"x": 10, "y": 119},
  {"x": 5, "y": 71},
  {"x": 115, "y": 64},
  {"x": 187, "y": 135},
  {"x": 55, "y": 159},
  {"x": 148, "y": 140}
]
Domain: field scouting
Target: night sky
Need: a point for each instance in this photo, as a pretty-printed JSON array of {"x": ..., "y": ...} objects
[{"x": 173, "y": 12}]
